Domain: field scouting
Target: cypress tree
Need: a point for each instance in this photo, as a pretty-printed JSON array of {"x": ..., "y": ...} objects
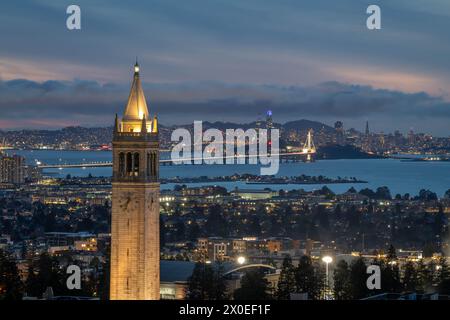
[
  {"x": 341, "y": 277},
  {"x": 286, "y": 283}
]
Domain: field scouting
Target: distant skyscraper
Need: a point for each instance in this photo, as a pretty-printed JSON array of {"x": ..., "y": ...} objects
[
  {"x": 339, "y": 128},
  {"x": 367, "y": 128},
  {"x": 135, "y": 270},
  {"x": 12, "y": 169},
  {"x": 411, "y": 137},
  {"x": 269, "y": 120}
]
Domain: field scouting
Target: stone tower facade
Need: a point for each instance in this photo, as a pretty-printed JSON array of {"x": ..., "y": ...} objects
[{"x": 135, "y": 270}]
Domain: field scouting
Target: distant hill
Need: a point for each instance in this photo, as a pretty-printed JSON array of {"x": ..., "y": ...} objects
[
  {"x": 303, "y": 125},
  {"x": 299, "y": 125}
]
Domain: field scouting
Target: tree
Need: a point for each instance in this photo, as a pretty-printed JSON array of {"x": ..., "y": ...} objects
[
  {"x": 392, "y": 254},
  {"x": 308, "y": 279},
  {"x": 219, "y": 289},
  {"x": 48, "y": 275},
  {"x": 358, "y": 279},
  {"x": 390, "y": 277},
  {"x": 254, "y": 286},
  {"x": 367, "y": 192},
  {"x": 326, "y": 192},
  {"x": 199, "y": 282},
  {"x": 32, "y": 287},
  {"x": 11, "y": 287},
  {"x": 383, "y": 193},
  {"x": 390, "y": 272},
  {"x": 443, "y": 276},
  {"x": 410, "y": 277},
  {"x": 447, "y": 194},
  {"x": 286, "y": 283},
  {"x": 341, "y": 277},
  {"x": 427, "y": 195},
  {"x": 351, "y": 190},
  {"x": 206, "y": 283},
  {"x": 103, "y": 285},
  {"x": 422, "y": 277}
]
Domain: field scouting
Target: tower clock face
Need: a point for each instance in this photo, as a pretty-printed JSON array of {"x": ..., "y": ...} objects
[{"x": 127, "y": 202}]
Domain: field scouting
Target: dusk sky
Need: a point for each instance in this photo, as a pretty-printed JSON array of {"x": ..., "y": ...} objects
[{"x": 228, "y": 60}]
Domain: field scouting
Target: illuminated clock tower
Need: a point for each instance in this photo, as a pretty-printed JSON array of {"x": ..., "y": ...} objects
[{"x": 135, "y": 201}]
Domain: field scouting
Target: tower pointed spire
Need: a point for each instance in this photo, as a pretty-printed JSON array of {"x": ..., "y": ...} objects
[{"x": 136, "y": 107}]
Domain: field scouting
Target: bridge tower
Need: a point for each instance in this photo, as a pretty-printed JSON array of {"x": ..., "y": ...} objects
[{"x": 309, "y": 149}]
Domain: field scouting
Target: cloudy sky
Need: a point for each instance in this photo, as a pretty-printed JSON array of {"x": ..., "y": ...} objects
[{"x": 228, "y": 60}]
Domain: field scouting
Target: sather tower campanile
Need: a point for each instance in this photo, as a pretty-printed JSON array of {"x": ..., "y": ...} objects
[{"x": 135, "y": 201}]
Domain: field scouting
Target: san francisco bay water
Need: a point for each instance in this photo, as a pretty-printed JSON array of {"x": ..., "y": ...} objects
[{"x": 400, "y": 177}]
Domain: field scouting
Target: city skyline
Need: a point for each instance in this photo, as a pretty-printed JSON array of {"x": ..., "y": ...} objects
[{"x": 271, "y": 56}]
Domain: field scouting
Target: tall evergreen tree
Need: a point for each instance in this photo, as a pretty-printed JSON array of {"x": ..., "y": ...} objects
[
  {"x": 199, "y": 282},
  {"x": 390, "y": 272},
  {"x": 308, "y": 279},
  {"x": 358, "y": 279},
  {"x": 391, "y": 254},
  {"x": 410, "y": 277},
  {"x": 206, "y": 283},
  {"x": 286, "y": 283},
  {"x": 341, "y": 277},
  {"x": 443, "y": 276},
  {"x": 254, "y": 286},
  {"x": 103, "y": 286},
  {"x": 31, "y": 285},
  {"x": 219, "y": 287},
  {"x": 424, "y": 277}
]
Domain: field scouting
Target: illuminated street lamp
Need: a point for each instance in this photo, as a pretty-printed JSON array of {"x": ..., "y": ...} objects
[
  {"x": 327, "y": 260},
  {"x": 241, "y": 260}
]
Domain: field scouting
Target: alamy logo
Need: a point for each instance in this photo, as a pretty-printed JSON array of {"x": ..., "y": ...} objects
[
  {"x": 73, "y": 21},
  {"x": 374, "y": 20},
  {"x": 240, "y": 146},
  {"x": 374, "y": 280},
  {"x": 74, "y": 280}
]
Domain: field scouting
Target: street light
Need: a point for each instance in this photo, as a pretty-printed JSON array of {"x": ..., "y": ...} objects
[
  {"x": 327, "y": 260},
  {"x": 241, "y": 260}
]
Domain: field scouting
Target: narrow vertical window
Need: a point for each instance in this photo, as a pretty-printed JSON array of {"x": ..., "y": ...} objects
[
  {"x": 155, "y": 160},
  {"x": 129, "y": 163},
  {"x": 121, "y": 164},
  {"x": 136, "y": 164},
  {"x": 148, "y": 165}
]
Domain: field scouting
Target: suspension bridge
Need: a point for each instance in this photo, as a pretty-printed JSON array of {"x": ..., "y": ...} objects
[{"x": 306, "y": 153}]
